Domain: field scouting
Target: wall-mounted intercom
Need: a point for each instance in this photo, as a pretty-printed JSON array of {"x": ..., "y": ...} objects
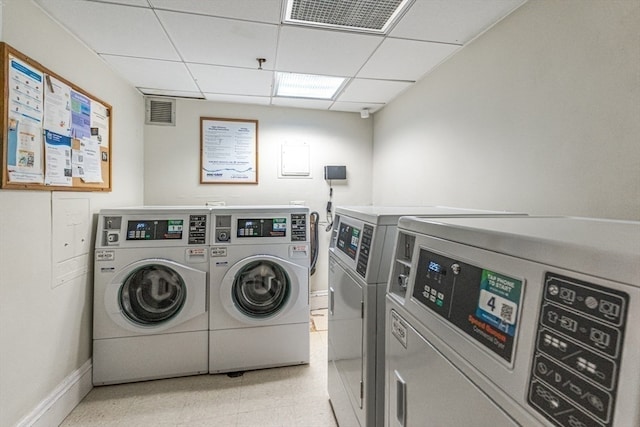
[
  {"x": 331, "y": 173},
  {"x": 335, "y": 172}
]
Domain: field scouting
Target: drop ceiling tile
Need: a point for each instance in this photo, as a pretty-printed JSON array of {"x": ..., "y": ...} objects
[
  {"x": 248, "y": 10},
  {"x": 221, "y": 39},
  {"x": 141, "y": 3},
  {"x": 315, "y": 104},
  {"x": 451, "y": 21},
  {"x": 356, "y": 107},
  {"x": 314, "y": 51},
  {"x": 216, "y": 41},
  {"x": 229, "y": 80},
  {"x": 166, "y": 74},
  {"x": 372, "y": 91},
  {"x": 238, "y": 99},
  {"x": 416, "y": 57},
  {"x": 113, "y": 28}
]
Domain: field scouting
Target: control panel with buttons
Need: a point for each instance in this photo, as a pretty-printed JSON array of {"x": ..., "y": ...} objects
[{"x": 574, "y": 374}]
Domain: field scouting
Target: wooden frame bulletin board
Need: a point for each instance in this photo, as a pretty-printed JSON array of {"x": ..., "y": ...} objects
[
  {"x": 228, "y": 151},
  {"x": 55, "y": 135}
]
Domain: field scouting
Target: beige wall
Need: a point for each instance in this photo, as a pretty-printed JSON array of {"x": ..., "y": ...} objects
[
  {"x": 540, "y": 114},
  {"x": 45, "y": 331}
]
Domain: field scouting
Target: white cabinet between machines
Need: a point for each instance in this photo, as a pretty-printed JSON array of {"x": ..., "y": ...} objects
[
  {"x": 514, "y": 322},
  {"x": 360, "y": 255}
]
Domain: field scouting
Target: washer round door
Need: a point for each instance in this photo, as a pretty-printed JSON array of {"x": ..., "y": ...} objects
[
  {"x": 262, "y": 287},
  {"x": 155, "y": 293},
  {"x": 152, "y": 294}
]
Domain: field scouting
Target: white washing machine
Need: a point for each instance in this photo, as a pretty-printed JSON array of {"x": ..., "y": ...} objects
[
  {"x": 150, "y": 294},
  {"x": 259, "y": 287},
  {"x": 360, "y": 255},
  {"x": 514, "y": 322}
]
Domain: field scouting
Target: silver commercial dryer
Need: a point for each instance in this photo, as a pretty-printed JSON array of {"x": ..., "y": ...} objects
[
  {"x": 514, "y": 322},
  {"x": 360, "y": 254}
]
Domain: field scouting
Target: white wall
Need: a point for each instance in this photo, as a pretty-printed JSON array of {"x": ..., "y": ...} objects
[
  {"x": 45, "y": 332},
  {"x": 540, "y": 114},
  {"x": 172, "y": 161}
]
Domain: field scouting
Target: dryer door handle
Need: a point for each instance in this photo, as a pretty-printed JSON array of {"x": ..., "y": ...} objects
[
  {"x": 401, "y": 399},
  {"x": 332, "y": 300}
]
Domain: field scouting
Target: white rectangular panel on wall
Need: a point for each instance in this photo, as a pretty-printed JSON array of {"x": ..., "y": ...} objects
[
  {"x": 71, "y": 237},
  {"x": 295, "y": 160}
]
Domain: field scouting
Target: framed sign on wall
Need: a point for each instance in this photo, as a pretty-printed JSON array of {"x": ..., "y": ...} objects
[{"x": 228, "y": 151}]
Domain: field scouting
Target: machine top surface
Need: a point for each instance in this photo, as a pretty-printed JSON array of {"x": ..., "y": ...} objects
[
  {"x": 604, "y": 248},
  {"x": 134, "y": 210},
  {"x": 267, "y": 209},
  {"x": 389, "y": 215}
]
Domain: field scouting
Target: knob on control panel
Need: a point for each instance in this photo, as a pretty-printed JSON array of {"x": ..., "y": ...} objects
[{"x": 403, "y": 281}]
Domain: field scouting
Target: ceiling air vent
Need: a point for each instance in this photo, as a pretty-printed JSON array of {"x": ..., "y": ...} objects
[
  {"x": 160, "y": 111},
  {"x": 373, "y": 16}
]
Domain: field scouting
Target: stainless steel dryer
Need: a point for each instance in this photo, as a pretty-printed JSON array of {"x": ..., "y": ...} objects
[
  {"x": 360, "y": 253},
  {"x": 514, "y": 322}
]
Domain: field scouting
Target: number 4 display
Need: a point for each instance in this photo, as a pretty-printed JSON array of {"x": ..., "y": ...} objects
[{"x": 499, "y": 300}]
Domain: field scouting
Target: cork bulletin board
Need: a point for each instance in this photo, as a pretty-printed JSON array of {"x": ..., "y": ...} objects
[{"x": 54, "y": 135}]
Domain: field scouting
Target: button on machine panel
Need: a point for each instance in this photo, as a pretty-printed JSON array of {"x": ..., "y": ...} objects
[
  {"x": 197, "y": 229},
  {"x": 298, "y": 227},
  {"x": 223, "y": 228},
  {"x": 576, "y": 361},
  {"x": 365, "y": 249}
]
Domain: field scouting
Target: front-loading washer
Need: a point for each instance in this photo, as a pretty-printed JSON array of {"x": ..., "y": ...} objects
[
  {"x": 514, "y": 322},
  {"x": 150, "y": 294},
  {"x": 259, "y": 287},
  {"x": 360, "y": 254}
]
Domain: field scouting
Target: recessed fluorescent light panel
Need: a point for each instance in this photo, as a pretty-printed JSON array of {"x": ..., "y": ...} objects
[
  {"x": 307, "y": 85},
  {"x": 372, "y": 16}
]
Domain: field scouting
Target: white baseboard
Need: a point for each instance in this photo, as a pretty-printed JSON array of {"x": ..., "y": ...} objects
[
  {"x": 55, "y": 407},
  {"x": 319, "y": 300}
]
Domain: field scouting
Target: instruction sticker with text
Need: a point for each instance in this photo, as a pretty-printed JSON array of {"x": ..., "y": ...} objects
[{"x": 499, "y": 301}]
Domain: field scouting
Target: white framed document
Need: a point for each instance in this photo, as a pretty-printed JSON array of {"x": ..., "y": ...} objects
[{"x": 228, "y": 151}]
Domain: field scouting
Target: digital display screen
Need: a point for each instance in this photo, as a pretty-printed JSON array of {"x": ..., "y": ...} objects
[
  {"x": 436, "y": 268},
  {"x": 168, "y": 229},
  {"x": 348, "y": 240},
  {"x": 262, "y": 227}
]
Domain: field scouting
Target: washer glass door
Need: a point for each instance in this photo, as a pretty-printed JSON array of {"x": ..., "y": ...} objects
[
  {"x": 261, "y": 288},
  {"x": 152, "y": 294}
]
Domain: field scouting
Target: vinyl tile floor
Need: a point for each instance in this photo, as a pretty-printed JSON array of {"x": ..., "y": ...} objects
[{"x": 292, "y": 396}]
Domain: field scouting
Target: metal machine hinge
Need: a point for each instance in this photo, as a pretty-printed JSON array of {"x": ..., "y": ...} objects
[
  {"x": 362, "y": 309},
  {"x": 361, "y": 390}
]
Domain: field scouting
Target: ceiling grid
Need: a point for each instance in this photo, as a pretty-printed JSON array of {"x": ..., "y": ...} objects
[{"x": 209, "y": 50}]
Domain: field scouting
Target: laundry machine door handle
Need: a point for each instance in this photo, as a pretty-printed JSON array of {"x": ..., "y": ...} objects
[
  {"x": 401, "y": 399},
  {"x": 332, "y": 300}
]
